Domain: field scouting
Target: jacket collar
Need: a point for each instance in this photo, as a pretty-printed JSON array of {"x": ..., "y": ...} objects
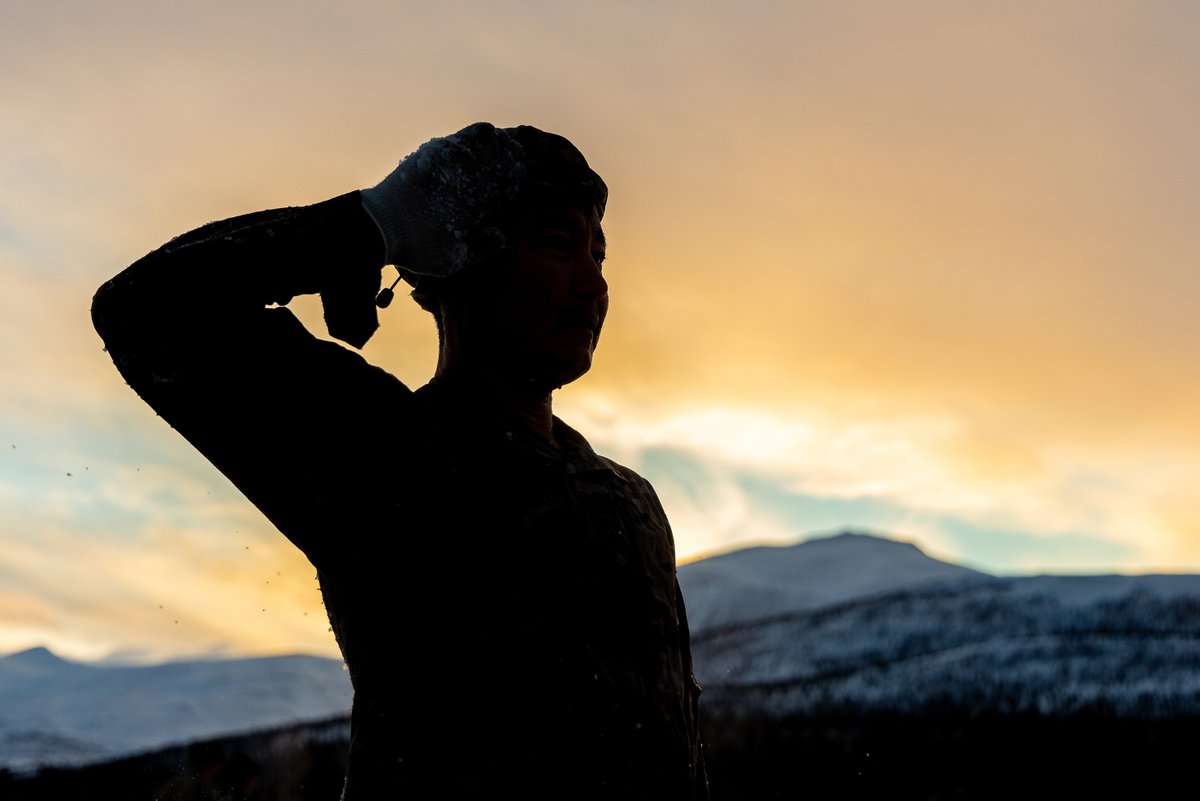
[{"x": 465, "y": 413}]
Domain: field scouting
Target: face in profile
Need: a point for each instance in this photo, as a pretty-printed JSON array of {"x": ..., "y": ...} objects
[
  {"x": 557, "y": 294},
  {"x": 540, "y": 313}
]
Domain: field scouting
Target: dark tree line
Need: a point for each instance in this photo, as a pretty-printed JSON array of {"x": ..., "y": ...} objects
[{"x": 941, "y": 753}]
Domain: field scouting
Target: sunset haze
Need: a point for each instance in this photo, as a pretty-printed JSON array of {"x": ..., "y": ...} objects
[{"x": 924, "y": 269}]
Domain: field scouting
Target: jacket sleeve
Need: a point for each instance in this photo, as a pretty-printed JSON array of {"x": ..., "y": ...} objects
[{"x": 198, "y": 329}]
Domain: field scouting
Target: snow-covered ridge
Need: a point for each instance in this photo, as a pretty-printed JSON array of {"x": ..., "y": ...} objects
[
  {"x": 847, "y": 622},
  {"x": 762, "y": 583},
  {"x": 57, "y": 712},
  {"x": 876, "y": 626}
]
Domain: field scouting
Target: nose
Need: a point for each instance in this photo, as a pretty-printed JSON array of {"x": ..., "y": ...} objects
[{"x": 589, "y": 280}]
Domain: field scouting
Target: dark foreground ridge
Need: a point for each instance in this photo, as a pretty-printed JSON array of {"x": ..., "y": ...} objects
[
  {"x": 835, "y": 757},
  {"x": 923, "y": 682},
  {"x": 304, "y": 762}
]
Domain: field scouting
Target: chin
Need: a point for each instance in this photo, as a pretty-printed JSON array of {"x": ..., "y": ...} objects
[{"x": 571, "y": 371}]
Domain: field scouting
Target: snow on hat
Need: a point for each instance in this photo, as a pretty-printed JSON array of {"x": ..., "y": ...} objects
[{"x": 555, "y": 174}]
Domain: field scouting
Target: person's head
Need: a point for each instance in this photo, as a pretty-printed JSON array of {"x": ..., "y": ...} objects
[{"x": 534, "y": 308}]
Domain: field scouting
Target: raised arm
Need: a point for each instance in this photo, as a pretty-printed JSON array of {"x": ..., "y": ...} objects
[
  {"x": 233, "y": 269},
  {"x": 192, "y": 328},
  {"x": 198, "y": 327}
]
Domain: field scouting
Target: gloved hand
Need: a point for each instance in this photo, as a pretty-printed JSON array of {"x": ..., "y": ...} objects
[{"x": 432, "y": 208}]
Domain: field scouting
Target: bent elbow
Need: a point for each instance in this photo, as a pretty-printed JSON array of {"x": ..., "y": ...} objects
[
  {"x": 126, "y": 315},
  {"x": 111, "y": 307},
  {"x": 102, "y": 309}
]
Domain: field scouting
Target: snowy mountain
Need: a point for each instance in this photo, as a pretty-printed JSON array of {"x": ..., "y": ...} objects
[
  {"x": 760, "y": 583},
  {"x": 855, "y": 622},
  {"x": 847, "y": 623},
  {"x": 56, "y": 712}
]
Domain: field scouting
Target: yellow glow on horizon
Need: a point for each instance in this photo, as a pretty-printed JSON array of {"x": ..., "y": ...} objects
[{"x": 935, "y": 256}]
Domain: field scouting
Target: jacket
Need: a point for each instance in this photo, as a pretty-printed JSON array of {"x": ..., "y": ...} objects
[{"x": 508, "y": 610}]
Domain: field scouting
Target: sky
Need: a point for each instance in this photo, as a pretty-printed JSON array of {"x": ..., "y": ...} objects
[{"x": 923, "y": 269}]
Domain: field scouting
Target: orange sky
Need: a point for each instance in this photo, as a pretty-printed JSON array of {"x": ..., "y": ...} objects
[{"x": 924, "y": 268}]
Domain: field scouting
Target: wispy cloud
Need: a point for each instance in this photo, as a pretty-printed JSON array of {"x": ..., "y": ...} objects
[
  {"x": 927, "y": 268},
  {"x": 934, "y": 468}
]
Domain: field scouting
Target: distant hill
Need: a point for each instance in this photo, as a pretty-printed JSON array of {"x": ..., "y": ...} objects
[
  {"x": 755, "y": 584},
  {"x": 849, "y": 624},
  {"x": 57, "y": 712},
  {"x": 862, "y": 623}
]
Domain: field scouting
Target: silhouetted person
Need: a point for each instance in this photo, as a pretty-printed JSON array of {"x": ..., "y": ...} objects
[{"x": 504, "y": 597}]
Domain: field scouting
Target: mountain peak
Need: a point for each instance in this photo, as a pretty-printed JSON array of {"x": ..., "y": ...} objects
[
  {"x": 859, "y": 538},
  {"x": 38, "y": 655},
  {"x": 759, "y": 582},
  {"x": 38, "y": 660}
]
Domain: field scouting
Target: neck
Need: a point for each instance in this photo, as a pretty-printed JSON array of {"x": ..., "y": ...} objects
[{"x": 519, "y": 399}]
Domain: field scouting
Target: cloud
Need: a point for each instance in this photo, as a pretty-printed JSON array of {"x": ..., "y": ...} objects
[
  {"x": 931, "y": 266},
  {"x": 161, "y": 589},
  {"x": 943, "y": 469},
  {"x": 155, "y": 557}
]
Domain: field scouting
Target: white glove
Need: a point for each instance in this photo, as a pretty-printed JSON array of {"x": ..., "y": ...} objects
[{"x": 432, "y": 209}]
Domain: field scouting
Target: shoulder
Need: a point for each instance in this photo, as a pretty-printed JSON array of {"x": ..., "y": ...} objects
[
  {"x": 636, "y": 488},
  {"x": 648, "y": 519},
  {"x": 626, "y": 474},
  {"x": 580, "y": 454}
]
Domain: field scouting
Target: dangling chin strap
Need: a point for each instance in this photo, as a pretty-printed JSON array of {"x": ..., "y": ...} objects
[{"x": 386, "y": 296}]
